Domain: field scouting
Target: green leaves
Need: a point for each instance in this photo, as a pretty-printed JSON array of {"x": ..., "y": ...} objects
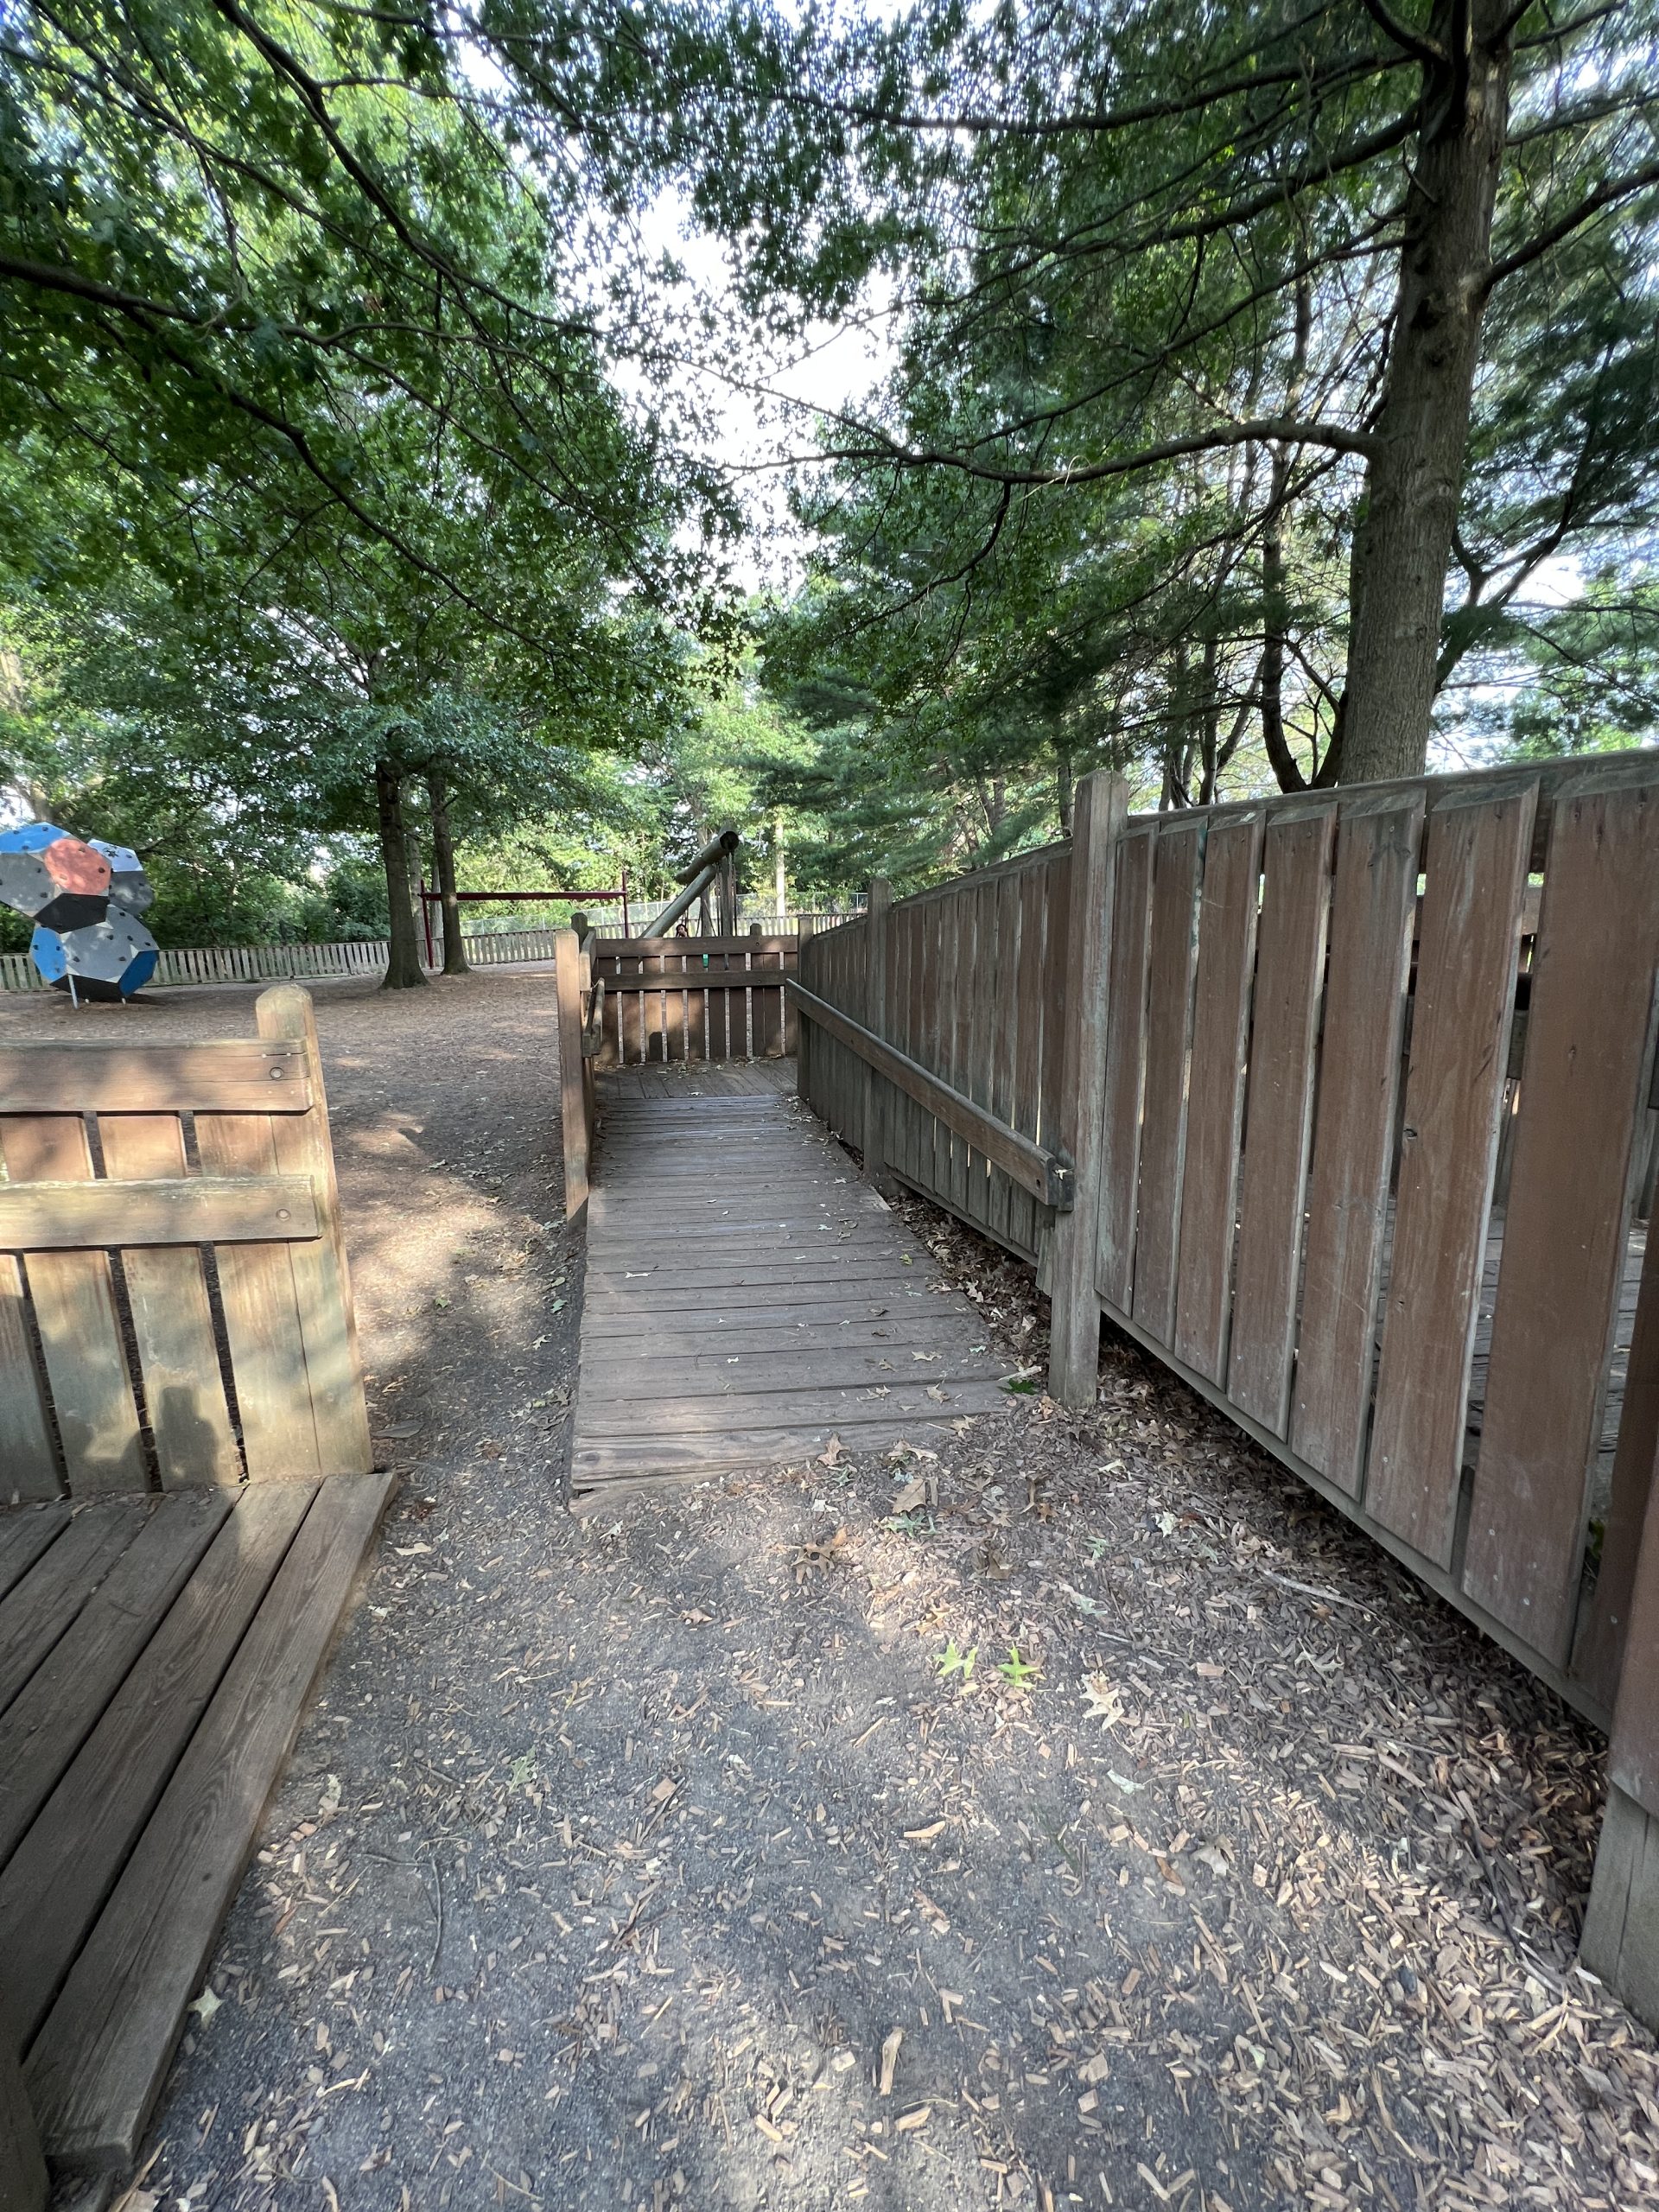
[
  {"x": 284, "y": 270},
  {"x": 1100, "y": 241}
]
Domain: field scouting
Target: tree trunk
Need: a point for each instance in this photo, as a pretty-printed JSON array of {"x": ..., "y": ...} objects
[
  {"x": 417, "y": 871},
  {"x": 1209, "y": 723},
  {"x": 1274, "y": 637},
  {"x": 1063, "y": 788},
  {"x": 779, "y": 877},
  {"x": 444, "y": 867},
  {"x": 1280, "y": 758},
  {"x": 1178, "y": 748},
  {"x": 403, "y": 968},
  {"x": 1402, "y": 546}
]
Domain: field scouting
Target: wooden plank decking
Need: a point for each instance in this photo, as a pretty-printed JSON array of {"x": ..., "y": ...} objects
[
  {"x": 748, "y": 1296},
  {"x": 155, "y": 1657}
]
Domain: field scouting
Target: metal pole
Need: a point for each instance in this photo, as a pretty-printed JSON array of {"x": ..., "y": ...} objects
[
  {"x": 726, "y": 842},
  {"x": 696, "y": 889}
]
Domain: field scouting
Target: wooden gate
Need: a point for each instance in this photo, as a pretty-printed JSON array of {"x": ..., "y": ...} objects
[
  {"x": 174, "y": 1304},
  {"x": 692, "y": 999}
]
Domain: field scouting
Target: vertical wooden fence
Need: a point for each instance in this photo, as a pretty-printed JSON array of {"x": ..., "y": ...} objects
[
  {"x": 1350, "y": 1099},
  {"x": 971, "y": 979},
  {"x": 688, "y": 999}
]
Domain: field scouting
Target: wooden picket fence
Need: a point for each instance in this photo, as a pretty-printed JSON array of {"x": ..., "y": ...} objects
[
  {"x": 271, "y": 963},
  {"x": 1345, "y": 1106}
]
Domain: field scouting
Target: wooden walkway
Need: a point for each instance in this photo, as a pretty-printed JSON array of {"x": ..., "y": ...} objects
[
  {"x": 155, "y": 1657},
  {"x": 748, "y": 1297}
]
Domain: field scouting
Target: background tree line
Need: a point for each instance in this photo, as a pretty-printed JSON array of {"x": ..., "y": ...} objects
[{"x": 1270, "y": 401}]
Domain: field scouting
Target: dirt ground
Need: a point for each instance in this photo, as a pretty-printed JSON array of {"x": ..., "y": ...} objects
[{"x": 1108, "y": 1825}]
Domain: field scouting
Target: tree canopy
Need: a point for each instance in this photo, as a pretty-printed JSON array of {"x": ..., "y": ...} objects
[
  {"x": 1253, "y": 360},
  {"x": 1268, "y": 397}
]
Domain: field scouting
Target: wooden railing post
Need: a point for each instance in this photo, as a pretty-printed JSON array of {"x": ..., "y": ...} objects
[
  {"x": 1621, "y": 1925},
  {"x": 874, "y": 1116},
  {"x": 573, "y": 1103},
  {"x": 302, "y": 1144},
  {"x": 803, "y": 1029},
  {"x": 1099, "y": 811},
  {"x": 588, "y": 1007}
]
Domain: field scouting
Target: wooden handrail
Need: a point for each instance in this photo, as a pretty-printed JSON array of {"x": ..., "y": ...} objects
[
  {"x": 1025, "y": 1161},
  {"x": 593, "y": 1034}
]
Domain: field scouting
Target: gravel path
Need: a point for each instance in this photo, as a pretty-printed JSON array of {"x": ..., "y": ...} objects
[{"x": 1086, "y": 1815}]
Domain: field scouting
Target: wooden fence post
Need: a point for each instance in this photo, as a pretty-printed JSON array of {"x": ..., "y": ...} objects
[
  {"x": 803, "y": 1028},
  {"x": 573, "y": 1101},
  {"x": 1099, "y": 811},
  {"x": 1621, "y": 1926},
  {"x": 302, "y": 1144},
  {"x": 585, "y": 1009},
  {"x": 874, "y": 1116}
]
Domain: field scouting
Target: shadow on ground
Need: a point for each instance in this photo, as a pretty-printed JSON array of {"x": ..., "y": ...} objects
[{"x": 613, "y": 1857}]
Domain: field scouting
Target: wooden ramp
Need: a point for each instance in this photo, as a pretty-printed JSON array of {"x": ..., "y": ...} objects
[
  {"x": 155, "y": 1657},
  {"x": 748, "y": 1297}
]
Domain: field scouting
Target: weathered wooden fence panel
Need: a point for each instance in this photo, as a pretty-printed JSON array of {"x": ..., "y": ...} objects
[
  {"x": 1278, "y": 1110},
  {"x": 1373, "y": 900},
  {"x": 1566, "y": 1225},
  {"x": 1126, "y": 1061},
  {"x": 1342, "y": 1246},
  {"x": 1215, "y": 1108},
  {"x": 836, "y": 1072},
  {"x": 973, "y": 985},
  {"x": 1467, "y": 965},
  {"x": 158, "y": 1201},
  {"x": 1379, "y": 1115},
  {"x": 692, "y": 999}
]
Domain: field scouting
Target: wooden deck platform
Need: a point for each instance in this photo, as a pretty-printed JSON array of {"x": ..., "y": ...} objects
[
  {"x": 747, "y": 1297},
  {"x": 156, "y": 1654}
]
